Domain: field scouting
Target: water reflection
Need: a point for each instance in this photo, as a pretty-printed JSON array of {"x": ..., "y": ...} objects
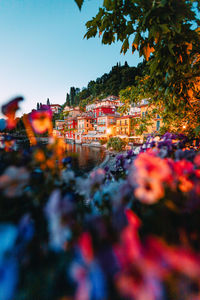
[{"x": 84, "y": 158}]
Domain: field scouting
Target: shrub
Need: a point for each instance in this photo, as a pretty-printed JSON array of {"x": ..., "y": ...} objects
[{"x": 116, "y": 143}]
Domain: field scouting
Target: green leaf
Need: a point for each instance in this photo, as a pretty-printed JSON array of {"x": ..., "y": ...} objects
[{"x": 79, "y": 3}]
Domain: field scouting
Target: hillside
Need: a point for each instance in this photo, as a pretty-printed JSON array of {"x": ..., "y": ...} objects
[{"x": 108, "y": 84}]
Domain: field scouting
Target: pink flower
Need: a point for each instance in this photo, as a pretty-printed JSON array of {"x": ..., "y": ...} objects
[
  {"x": 150, "y": 176},
  {"x": 149, "y": 190},
  {"x": 147, "y": 164},
  {"x": 41, "y": 120}
]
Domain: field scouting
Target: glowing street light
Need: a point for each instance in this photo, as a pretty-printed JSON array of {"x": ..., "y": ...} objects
[{"x": 108, "y": 131}]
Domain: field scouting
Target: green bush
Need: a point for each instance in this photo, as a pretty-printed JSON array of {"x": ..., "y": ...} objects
[{"x": 116, "y": 143}]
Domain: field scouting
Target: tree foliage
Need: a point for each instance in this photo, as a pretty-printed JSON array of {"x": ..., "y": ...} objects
[{"x": 166, "y": 34}]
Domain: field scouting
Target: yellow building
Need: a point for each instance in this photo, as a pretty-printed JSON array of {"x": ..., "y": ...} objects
[
  {"x": 123, "y": 125},
  {"x": 156, "y": 121}
]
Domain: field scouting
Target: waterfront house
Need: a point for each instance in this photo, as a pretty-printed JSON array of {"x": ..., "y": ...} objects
[
  {"x": 124, "y": 125},
  {"x": 106, "y": 124},
  {"x": 85, "y": 123},
  {"x": 71, "y": 127},
  {"x": 60, "y": 124}
]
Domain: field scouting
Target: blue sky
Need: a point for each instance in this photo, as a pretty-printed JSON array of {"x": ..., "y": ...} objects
[{"x": 43, "y": 53}]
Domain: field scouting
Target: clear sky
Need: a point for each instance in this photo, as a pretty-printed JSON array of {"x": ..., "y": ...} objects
[{"x": 43, "y": 53}]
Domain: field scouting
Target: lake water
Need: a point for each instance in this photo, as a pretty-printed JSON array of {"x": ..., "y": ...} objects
[{"x": 84, "y": 158}]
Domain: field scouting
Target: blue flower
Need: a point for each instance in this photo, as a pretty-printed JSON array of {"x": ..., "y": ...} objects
[{"x": 8, "y": 262}]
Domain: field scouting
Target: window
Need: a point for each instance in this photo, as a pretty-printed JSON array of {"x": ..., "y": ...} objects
[
  {"x": 157, "y": 125},
  {"x": 126, "y": 122},
  {"x": 143, "y": 113},
  {"x": 158, "y": 116}
]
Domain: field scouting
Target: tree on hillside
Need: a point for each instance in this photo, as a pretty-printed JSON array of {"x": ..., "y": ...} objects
[
  {"x": 67, "y": 100},
  {"x": 72, "y": 95},
  {"x": 48, "y": 102}
]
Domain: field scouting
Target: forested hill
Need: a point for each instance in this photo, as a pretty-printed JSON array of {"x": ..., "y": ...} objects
[{"x": 108, "y": 84}]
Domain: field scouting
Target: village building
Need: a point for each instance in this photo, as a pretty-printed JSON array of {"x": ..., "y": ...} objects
[
  {"x": 106, "y": 124},
  {"x": 71, "y": 127},
  {"x": 124, "y": 125},
  {"x": 90, "y": 107},
  {"x": 85, "y": 123},
  {"x": 66, "y": 108},
  {"x": 156, "y": 122},
  {"x": 56, "y": 108},
  {"x": 60, "y": 124},
  {"x": 74, "y": 112}
]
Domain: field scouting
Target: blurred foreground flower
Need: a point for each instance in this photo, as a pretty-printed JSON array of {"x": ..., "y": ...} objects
[
  {"x": 8, "y": 262},
  {"x": 87, "y": 273},
  {"x": 150, "y": 175},
  {"x": 57, "y": 210},
  {"x": 41, "y": 120},
  {"x": 9, "y": 111},
  {"x": 13, "y": 181}
]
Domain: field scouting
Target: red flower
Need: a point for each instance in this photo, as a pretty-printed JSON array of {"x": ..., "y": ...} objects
[
  {"x": 183, "y": 167},
  {"x": 85, "y": 245},
  {"x": 9, "y": 111},
  {"x": 197, "y": 160}
]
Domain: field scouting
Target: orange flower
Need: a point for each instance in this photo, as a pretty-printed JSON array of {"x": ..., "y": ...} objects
[
  {"x": 185, "y": 184},
  {"x": 50, "y": 163},
  {"x": 39, "y": 156}
]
